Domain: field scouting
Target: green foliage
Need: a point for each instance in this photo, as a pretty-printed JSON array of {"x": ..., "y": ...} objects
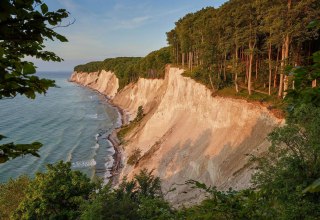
[
  {"x": 217, "y": 44},
  {"x": 23, "y": 29},
  {"x": 134, "y": 157},
  {"x": 139, "y": 114},
  {"x": 140, "y": 198},
  {"x": 56, "y": 194},
  {"x": 10, "y": 150},
  {"x": 303, "y": 77},
  {"x": 292, "y": 164},
  {"x": 11, "y": 194},
  {"x": 129, "y": 69}
]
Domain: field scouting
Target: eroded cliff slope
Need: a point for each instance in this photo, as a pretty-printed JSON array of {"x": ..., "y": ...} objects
[{"x": 187, "y": 133}]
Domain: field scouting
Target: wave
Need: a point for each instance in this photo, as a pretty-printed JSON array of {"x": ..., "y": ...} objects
[
  {"x": 93, "y": 116},
  {"x": 84, "y": 163},
  {"x": 108, "y": 165},
  {"x": 119, "y": 121},
  {"x": 96, "y": 146},
  {"x": 96, "y": 136}
]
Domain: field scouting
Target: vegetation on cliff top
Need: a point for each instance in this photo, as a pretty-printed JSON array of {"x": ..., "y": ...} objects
[
  {"x": 129, "y": 69},
  {"x": 247, "y": 44}
]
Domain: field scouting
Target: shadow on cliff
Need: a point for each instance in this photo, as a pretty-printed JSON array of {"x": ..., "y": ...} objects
[{"x": 227, "y": 169}]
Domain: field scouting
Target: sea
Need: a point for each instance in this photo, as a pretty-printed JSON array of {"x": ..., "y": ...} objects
[{"x": 71, "y": 121}]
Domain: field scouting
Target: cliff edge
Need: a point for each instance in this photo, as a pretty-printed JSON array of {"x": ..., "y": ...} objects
[{"x": 186, "y": 132}]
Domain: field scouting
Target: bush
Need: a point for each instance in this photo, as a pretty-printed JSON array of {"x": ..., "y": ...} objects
[
  {"x": 134, "y": 157},
  {"x": 56, "y": 194},
  {"x": 11, "y": 194},
  {"x": 139, "y": 114},
  {"x": 140, "y": 198}
]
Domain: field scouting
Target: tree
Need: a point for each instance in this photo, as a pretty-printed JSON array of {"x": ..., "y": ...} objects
[
  {"x": 11, "y": 194},
  {"x": 24, "y": 27},
  {"x": 140, "y": 198},
  {"x": 56, "y": 194}
]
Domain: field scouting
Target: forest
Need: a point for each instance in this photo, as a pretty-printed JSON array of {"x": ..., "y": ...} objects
[
  {"x": 129, "y": 69},
  {"x": 247, "y": 44}
]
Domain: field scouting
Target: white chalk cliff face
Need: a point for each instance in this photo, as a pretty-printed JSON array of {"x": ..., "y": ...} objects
[
  {"x": 104, "y": 82},
  {"x": 187, "y": 133}
]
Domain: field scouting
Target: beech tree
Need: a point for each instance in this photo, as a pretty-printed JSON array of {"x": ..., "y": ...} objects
[{"x": 248, "y": 44}]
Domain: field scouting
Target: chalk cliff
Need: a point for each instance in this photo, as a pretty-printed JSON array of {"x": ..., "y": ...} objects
[
  {"x": 186, "y": 132},
  {"x": 104, "y": 82}
]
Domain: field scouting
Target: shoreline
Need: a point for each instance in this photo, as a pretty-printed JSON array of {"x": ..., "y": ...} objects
[{"x": 113, "y": 139}]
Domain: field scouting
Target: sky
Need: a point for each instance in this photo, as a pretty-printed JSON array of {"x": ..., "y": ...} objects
[{"x": 112, "y": 28}]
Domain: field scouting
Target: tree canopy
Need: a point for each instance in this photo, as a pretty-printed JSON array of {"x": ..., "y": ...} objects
[
  {"x": 247, "y": 43},
  {"x": 25, "y": 25},
  {"x": 129, "y": 69}
]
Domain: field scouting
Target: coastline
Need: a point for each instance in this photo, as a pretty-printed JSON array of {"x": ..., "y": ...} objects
[
  {"x": 117, "y": 156},
  {"x": 113, "y": 138}
]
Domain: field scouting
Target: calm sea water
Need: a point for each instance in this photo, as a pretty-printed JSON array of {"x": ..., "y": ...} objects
[{"x": 72, "y": 123}]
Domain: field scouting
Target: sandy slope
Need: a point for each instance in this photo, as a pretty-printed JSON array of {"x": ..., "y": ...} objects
[{"x": 187, "y": 133}]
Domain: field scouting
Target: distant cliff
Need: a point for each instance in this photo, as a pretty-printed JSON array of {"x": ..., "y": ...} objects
[
  {"x": 104, "y": 82},
  {"x": 186, "y": 132}
]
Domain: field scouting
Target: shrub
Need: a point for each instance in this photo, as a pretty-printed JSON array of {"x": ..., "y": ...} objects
[{"x": 134, "y": 157}]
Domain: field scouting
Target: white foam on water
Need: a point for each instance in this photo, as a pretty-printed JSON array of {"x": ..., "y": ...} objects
[
  {"x": 93, "y": 116},
  {"x": 108, "y": 165},
  {"x": 96, "y": 146},
  {"x": 69, "y": 157},
  {"x": 119, "y": 121},
  {"x": 84, "y": 163},
  {"x": 110, "y": 150}
]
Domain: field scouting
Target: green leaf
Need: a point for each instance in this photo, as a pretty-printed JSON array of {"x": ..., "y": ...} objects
[
  {"x": 316, "y": 57},
  {"x": 29, "y": 68},
  {"x": 2, "y": 137},
  {"x": 313, "y": 24},
  {"x": 61, "y": 38},
  {"x": 44, "y": 8},
  {"x": 1, "y": 51}
]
